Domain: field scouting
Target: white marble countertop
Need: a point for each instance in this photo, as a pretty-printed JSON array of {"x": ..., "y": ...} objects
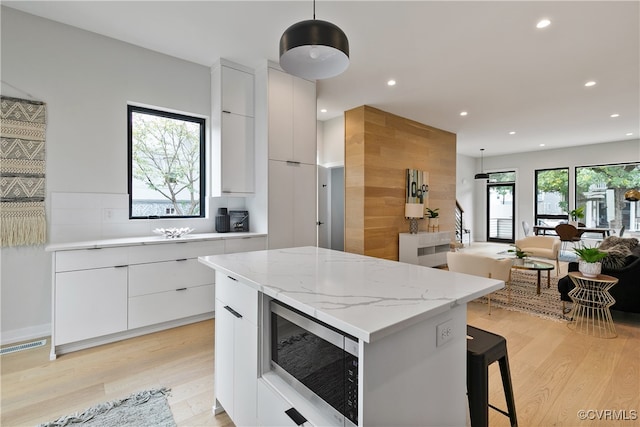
[
  {"x": 362, "y": 296},
  {"x": 146, "y": 240}
]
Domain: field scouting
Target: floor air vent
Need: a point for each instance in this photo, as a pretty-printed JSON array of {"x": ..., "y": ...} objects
[{"x": 21, "y": 347}]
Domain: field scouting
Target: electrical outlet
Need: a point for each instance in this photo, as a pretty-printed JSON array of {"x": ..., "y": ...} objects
[{"x": 444, "y": 332}]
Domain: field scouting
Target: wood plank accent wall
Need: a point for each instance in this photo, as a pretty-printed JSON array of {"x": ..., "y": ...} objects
[{"x": 379, "y": 148}]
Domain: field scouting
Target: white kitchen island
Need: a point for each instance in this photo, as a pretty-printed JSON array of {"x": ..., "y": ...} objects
[{"x": 408, "y": 375}]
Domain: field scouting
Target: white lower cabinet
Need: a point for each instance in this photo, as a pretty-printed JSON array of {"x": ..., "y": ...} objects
[
  {"x": 272, "y": 408},
  {"x": 104, "y": 294},
  {"x": 236, "y": 343},
  {"x": 90, "y": 303}
]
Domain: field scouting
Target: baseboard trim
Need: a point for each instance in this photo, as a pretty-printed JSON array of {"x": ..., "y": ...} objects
[{"x": 25, "y": 334}]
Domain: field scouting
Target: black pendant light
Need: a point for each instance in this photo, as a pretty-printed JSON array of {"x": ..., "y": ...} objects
[
  {"x": 482, "y": 175},
  {"x": 314, "y": 49}
]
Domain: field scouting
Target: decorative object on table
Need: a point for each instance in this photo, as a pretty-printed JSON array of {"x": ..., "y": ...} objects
[
  {"x": 590, "y": 257},
  {"x": 222, "y": 221},
  {"x": 145, "y": 408},
  {"x": 22, "y": 169},
  {"x": 413, "y": 211},
  {"x": 482, "y": 174},
  {"x": 173, "y": 233},
  {"x": 632, "y": 195},
  {"x": 519, "y": 253},
  {"x": 239, "y": 221},
  {"x": 575, "y": 215},
  {"x": 417, "y": 186},
  {"x": 433, "y": 214},
  {"x": 314, "y": 49}
]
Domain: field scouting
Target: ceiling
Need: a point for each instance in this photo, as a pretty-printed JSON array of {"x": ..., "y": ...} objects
[{"x": 486, "y": 58}]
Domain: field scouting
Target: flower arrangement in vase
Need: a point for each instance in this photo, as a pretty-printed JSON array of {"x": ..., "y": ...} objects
[{"x": 589, "y": 264}]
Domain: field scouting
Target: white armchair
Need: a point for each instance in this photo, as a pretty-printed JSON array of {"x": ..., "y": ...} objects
[
  {"x": 541, "y": 247},
  {"x": 481, "y": 265}
]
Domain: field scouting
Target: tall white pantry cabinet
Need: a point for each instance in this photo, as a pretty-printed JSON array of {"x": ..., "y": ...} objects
[{"x": 292, "y": 160}]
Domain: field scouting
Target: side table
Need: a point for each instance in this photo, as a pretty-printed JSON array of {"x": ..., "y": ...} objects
[{"x": 590, "y": 314}]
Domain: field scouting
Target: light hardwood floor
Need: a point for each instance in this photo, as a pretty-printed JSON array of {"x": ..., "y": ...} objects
[{"x": 556, "y": 373}]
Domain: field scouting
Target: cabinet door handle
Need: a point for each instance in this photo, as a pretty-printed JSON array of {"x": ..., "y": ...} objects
[
  {"x": 232, "y": 311},
  {"x": 232, "y": 278},
  {"x": 120, "y": 266},
  {"x": 181, "y": 289},
  {"x": 295, "y": 416},
  {"x": 226, "y": 112},
  {"x": 181, "y": 259},
  {"x": 93, "y": 249},
  {"x": 293, "y": 163}
]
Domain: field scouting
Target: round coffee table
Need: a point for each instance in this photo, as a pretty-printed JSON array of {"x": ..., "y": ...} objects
[{"x": 538, "y": 266}]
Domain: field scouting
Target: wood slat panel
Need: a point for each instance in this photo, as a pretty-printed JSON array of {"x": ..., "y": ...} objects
[{"x": 379, "y": 148}]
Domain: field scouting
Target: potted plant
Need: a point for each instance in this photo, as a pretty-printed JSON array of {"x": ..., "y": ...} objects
[
  {"x": 589, "y": 264},
  {"x": 520, "y": 255},
  {"x": 575, "y": 215},
  {"x": 432, "y": 215}
]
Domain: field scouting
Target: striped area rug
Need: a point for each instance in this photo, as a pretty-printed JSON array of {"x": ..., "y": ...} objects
[{"x": 524, "y": 298}]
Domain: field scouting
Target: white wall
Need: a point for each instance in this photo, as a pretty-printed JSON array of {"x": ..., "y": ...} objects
[
  {"x": 331, "y": 143},
  {"x": 86, "y": 81},
  {"x": 465, "y": 190},
  {"x": 525, "y": 165}
]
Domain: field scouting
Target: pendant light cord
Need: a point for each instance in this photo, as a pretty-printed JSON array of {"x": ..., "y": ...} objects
[{"x": 314, "y": 10}]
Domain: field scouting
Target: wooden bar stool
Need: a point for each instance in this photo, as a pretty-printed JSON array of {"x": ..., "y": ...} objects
[{"x": 484, "y": 348}]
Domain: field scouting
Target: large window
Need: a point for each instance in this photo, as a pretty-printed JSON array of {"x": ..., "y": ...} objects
[
  {"x": 166, "y": 164},
  {"x": 600, "y": 189},
  {"x": 552, "y": 196}
]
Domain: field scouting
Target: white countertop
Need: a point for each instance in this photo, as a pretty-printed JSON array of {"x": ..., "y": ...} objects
[
  {"x": 362, "y": 296},
  {"x": 146, "y": 240}
]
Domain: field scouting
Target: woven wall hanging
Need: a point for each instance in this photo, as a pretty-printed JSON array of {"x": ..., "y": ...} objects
[{"x": 22, "y": 168}]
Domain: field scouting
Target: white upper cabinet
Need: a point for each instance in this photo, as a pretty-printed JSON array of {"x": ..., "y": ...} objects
[
  {"x": 292, "y": 118},
  {"x": 232, "y": 130}
]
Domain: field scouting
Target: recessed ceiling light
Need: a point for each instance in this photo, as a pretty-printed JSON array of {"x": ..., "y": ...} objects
[
  {"x": 543, "y": 23},
  {"x": 629, "y": 133},
  {"x": 391, "y": 83},
  {"x": 614, "y": 115},
  {"x": 541, "y": 145},
  {"x": 512, "y": 132},
  {"x": 463, "y": 113},
  {"x": 324, "y": 110},
  {"x": 590, "y": 83}
]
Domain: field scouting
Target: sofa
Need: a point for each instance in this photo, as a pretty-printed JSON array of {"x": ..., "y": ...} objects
[
  {"x": 623, "y": 262},
  {"x": 541, "y": 247},
  {"x": 480, "y": 265}
]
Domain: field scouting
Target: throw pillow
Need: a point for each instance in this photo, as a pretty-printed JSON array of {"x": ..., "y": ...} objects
[
  {"x": 612, "y": 241},
  {"x": 616, "y": 257}
]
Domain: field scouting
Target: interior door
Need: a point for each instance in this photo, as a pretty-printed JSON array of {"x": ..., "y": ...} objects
[{"x": 501, "y": 212}]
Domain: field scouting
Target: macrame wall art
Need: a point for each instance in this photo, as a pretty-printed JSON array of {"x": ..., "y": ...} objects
[{"x": 22, "y": 167}]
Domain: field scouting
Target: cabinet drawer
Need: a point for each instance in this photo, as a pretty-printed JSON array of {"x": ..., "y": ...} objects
[
  {"x": 85, "y": 259},
  {"x": 245, "y": 244},
  {"x": 272, "y": 407},
  {"x": 161, "y": 307},
  {"x": 240, "y": 297},
  {"x": 168, "y": 276},
  {"x": 173, "y": 251}
]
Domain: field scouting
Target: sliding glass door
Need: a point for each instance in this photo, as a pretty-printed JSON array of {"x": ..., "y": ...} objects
[{"x": 500, "y": 212}]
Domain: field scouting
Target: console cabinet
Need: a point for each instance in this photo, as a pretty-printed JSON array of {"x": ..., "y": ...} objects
[
  {"x": 111, "y": 291},
  {"x": 427, "y": 249}
]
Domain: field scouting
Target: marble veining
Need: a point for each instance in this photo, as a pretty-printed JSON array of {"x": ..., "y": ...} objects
[{"x": 363, "y": 296}]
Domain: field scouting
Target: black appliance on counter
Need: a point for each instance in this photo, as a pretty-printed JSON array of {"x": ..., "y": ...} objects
[
  {"x": 239, "y": 220},
  {"x": 223, "y": 221}
]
